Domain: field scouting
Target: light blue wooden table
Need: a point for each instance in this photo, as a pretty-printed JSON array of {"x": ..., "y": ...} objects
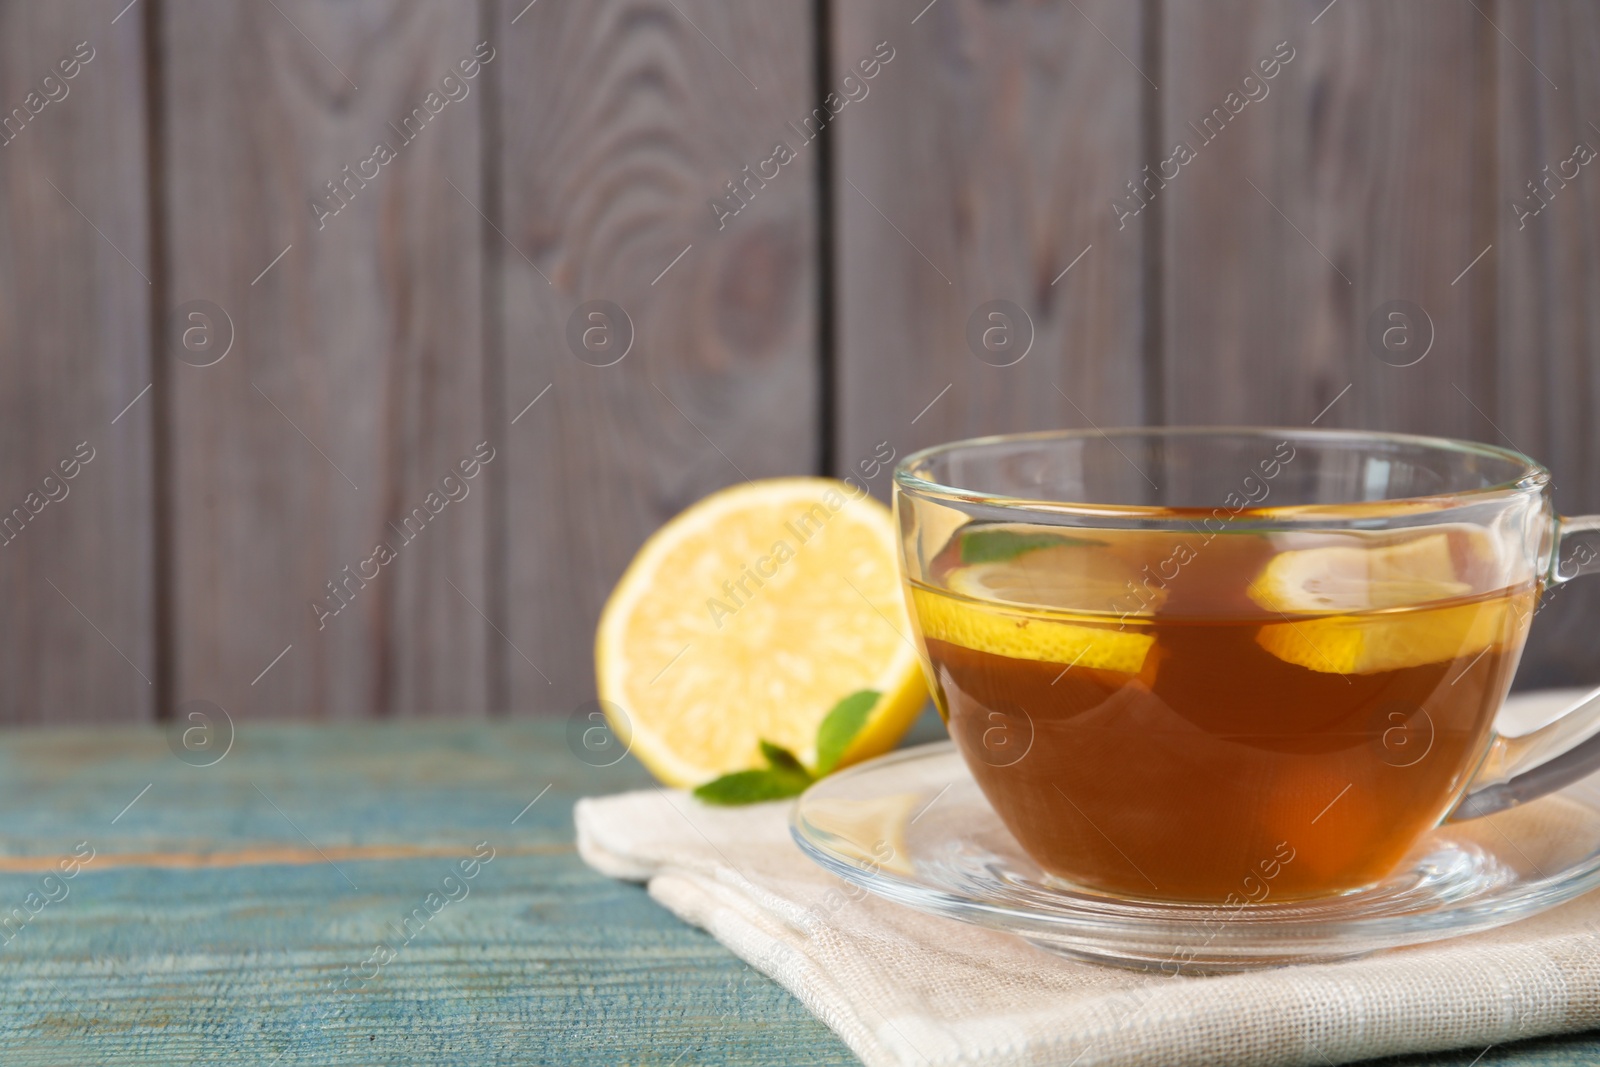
[{"x": 230, "y": 912}]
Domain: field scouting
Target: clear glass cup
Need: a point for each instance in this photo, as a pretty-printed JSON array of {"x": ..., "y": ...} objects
[{"x": 1208, "y": 664}]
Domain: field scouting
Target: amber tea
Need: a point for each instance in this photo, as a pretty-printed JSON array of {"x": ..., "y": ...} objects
[{"x": 1207, "y": 716}]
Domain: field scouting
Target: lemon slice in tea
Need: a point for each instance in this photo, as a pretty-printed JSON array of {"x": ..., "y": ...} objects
[
  {"x": 1045, "y": 569},
  {"x": 747, "y": 618},
  {"x": 1341, "y": 578},
  {"x": 1369, "y": 610},
  {"x": 1025, "y": 635},
  {"x": 1047, "y": 576}
]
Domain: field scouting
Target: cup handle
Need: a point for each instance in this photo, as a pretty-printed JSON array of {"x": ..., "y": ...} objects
[{"x": 1520, "y": 769}]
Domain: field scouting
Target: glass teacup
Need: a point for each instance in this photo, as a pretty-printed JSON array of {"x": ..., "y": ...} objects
[{"x": 1203, "y": 664}]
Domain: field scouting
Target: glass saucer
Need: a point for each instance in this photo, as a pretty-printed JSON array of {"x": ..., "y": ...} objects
[{"x": 913, "y": 827}]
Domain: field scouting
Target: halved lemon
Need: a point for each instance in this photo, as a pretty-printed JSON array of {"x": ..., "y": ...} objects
[
  {"x": 747, "y": 617},
  {"x": 1352, "y": 596}
]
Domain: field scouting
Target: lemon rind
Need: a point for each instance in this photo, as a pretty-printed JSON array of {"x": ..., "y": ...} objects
[{"x": 900, "y": 682}]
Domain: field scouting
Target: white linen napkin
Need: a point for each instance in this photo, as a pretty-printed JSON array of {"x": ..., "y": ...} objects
[{"x": 903, "y": 987}]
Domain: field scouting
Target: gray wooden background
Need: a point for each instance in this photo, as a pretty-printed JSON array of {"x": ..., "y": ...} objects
[{"x": 1399, "y": 155}]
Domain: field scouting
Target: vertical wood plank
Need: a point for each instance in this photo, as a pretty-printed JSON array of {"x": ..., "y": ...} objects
[
  {"x": 76, "y": 621},
  {"x": 1359, "y": 179},
  {"x": 981, "y": 166},
  {"x": 355, "y": 381},
  {"x": 621, "y": 122},
  {"x": 1547, "y": 245}
]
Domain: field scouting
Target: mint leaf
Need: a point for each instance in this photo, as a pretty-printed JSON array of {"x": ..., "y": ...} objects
[
  {"x": 781, "y": 759},
  {"x": 752, "y": 787},
  {"x": 784, "y": 777},
  {"x": 997, "y": 545},
  {"x": 840, "y": 727}
]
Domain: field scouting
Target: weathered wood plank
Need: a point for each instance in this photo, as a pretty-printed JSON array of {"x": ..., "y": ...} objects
[
  {"x": 1356, "y": 176},
  {"x": 1547, "y": 249},
  {"x": 980, "y": 167},
  {"x": 621, "y": 123},
  {"x": 542, "y": 961},
  {"x": 355, "y": 384},
  {"x": 77, "y": 619}
]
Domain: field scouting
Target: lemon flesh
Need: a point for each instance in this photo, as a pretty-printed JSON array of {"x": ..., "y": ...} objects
[
  {"x": 1021, "y": 635},
  {"x": 1083, "y": 577},
  {"x": 1344, "y": 578},
  {"x": 1374, "y": 644},
  {"x": 1012, "y": 600},
  {"x": 1352, "y": 599},
  {"x": 746, "y": 618}
]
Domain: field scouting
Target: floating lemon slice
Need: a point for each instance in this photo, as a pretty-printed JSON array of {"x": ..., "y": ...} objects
[
  {"x": 1346, "y": 578},
  {"x": 746, "y": 618},
  {"x": 1072, "y": 577},
  {"x": 1372, "y": 644},
  {"x": 1001, "y": 565},
  {"x": 994, "y": 629},
  {"x": 1334, "y": 583}
]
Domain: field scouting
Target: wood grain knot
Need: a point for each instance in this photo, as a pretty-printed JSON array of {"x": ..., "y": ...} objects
[{"x": 756, "y": 289}]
